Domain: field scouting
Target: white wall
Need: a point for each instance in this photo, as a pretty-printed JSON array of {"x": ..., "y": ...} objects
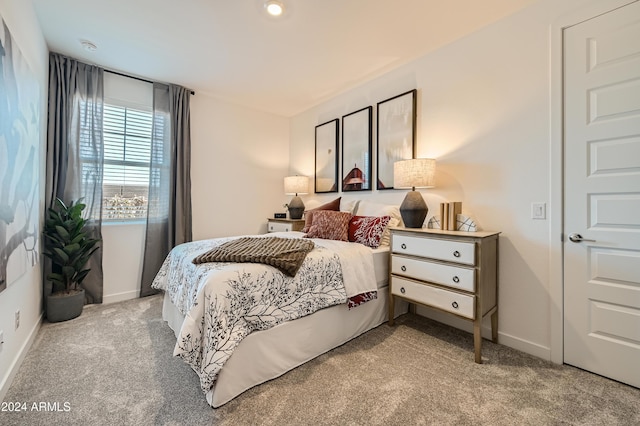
[
  {"x": 122, "y": 249},
  {"x": 484, "y": 114},
  {"x": 239, "y": 158},
  {"x": 26, "y": 293}
]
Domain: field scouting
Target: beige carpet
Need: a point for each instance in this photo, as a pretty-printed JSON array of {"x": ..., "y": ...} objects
[{"x": 113, "y": 366}]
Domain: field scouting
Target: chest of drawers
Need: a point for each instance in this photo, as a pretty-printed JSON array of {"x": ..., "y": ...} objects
[{"x": 452, "y": 271}]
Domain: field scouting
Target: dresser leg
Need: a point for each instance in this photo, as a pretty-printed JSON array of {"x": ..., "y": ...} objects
[
  {"x": 392, "y": 304},
  {"x": 494, "y": 327},
  {"x": 477, "y": 339}
]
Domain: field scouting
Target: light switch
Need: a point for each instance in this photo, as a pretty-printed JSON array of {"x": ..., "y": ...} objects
[{"x": 538, "y": 210}]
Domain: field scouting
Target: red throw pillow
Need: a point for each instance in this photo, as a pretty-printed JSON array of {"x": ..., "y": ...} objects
[
  {"x": 308, "y": 215},
  {"x": 367, "y": 230},
  {"x": 330, "y": 225}
]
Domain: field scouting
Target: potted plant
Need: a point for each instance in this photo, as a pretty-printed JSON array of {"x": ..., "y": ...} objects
[{"x": 69, "y": 247}]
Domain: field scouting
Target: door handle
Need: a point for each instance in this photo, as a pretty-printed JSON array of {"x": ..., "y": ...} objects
[{"x": 577, "y": 238}]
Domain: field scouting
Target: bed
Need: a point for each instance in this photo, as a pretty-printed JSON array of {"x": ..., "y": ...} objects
[{"x": 271, "y": 347}]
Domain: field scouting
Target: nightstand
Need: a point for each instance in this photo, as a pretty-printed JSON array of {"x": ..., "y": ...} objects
[
  {"x": 452, "y": 271},
  {"x": 284, "y": 225}
]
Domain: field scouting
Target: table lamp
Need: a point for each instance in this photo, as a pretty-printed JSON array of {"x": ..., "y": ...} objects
[
  {"x": 294, "y": 185},
  {"x": 415, "y": 173}
]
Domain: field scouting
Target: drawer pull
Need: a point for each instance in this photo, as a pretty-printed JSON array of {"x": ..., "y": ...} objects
[
  {"x": 402, "y": 290},
  {"x": 403, "y": 246},
  {"x": 403, "y": 268},
  {"x": 456, "y": 279},
  {"x": 456, "y": 253},
  {"x": 455, "y": 305}
]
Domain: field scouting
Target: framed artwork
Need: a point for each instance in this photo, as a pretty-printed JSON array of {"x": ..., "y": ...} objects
[
  {"x": 19, "y": 162},
  {"x": 396, "y": 120},
  {"x": 356, "y": 150},
  {"x": 327, "y": 156}
]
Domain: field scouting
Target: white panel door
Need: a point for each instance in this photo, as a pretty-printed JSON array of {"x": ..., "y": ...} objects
[{"x": 602, "y": 195}]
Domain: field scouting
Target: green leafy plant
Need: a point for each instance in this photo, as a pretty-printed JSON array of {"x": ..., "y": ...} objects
[{"x": 67, "y": 244}]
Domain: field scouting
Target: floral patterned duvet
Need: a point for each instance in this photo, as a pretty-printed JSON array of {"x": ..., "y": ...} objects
[{"x": 225, "y": 302}]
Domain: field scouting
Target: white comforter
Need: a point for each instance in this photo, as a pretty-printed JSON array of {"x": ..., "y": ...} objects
[{"x": 224, "y": 302}]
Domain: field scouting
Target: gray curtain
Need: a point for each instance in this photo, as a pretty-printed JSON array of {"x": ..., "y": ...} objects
[
  {"x": 75, "y": 151},
  {"x": 169, "y": 208}
]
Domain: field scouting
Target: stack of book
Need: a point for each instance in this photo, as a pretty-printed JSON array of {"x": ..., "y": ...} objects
[{"x": 449, "y": 215}]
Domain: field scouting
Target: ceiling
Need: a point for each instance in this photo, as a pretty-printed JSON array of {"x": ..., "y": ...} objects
[{"x": 232, "y": 50}]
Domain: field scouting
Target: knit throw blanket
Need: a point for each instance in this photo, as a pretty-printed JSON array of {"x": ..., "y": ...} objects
[{"x": 286, "y": 254}]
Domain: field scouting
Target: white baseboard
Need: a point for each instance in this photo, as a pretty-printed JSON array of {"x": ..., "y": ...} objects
[
  {"x": 17, "y": 362},
  {"x": 119, "y": 297},
  {"x": 503, "y": 339},
  {"x": 525, "y": 346}
]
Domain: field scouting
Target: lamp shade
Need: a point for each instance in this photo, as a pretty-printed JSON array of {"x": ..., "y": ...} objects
[
  {"x": 294, "y": 185},
  {"x": 415, "y": 173}
]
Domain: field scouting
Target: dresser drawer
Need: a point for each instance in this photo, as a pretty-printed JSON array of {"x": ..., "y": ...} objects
[
  {"x": 452, "y": 251},
  {"x": 450, "y": 301},
  {"x": 280, "y": 227},
  {"x": 452, "y": 276}
]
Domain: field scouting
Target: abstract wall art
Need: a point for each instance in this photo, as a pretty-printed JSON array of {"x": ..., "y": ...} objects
[
  {"x": 19, "y": 161},
  {"x": 356, "y": 150},
  {"x": 396, "y": 134},
  {"x": 326, "y": 179}
]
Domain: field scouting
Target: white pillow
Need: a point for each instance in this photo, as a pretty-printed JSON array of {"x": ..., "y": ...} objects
[
  {"x": 368, "y": 208},
  {"x": 349, "y": 206}
]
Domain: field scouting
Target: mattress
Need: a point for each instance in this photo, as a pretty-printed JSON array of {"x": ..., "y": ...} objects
[
  {"x": 380, "y": 259},
  {"x": 381, "y": 270},
  {"x": 381, "y": 265}
]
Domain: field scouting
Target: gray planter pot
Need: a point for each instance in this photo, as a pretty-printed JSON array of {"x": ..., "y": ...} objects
[{"x": 63, "y": 307}]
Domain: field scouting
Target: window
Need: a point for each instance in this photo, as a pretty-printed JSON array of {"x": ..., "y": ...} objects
[{"x": 127, "y": 154}]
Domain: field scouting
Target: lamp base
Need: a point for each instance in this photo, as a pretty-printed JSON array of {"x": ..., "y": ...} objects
[
  {"x": 413, "y": 210},
  {"x": 296, "y": 208}
]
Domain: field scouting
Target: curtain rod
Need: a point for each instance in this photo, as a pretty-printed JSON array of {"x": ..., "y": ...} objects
[{"x": 137, "y": 78}]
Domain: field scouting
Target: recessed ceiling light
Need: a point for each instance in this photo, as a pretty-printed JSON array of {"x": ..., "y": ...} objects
[
  {"x": 274, "y": 8},
  {"x": 88, "y": 45}
]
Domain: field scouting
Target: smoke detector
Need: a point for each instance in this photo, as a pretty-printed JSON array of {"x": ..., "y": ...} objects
[{"x": 88, "y": 45}]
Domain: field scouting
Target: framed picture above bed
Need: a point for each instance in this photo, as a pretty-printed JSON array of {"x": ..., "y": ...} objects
[
  {"x": 327, "y": 156},
  {"x": 396, "y": 121},
  {"x": 356, "y": 150}
]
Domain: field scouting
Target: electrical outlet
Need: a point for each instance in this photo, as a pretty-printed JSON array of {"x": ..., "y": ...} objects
[{"x": 17, "y": 319}]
